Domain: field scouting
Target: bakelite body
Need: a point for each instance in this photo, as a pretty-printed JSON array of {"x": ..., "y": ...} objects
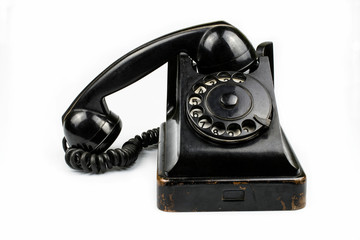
[{"x": 195, "y": 174}]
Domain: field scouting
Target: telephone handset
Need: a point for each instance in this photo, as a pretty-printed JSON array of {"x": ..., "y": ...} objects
[{"x": 221, "y": 147}]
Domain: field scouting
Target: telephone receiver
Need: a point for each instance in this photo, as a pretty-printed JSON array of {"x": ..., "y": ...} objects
[{"x": 221, "y": 147}]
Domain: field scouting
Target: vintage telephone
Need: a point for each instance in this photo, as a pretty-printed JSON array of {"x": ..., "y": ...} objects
[{"x": 221, "y": 147}]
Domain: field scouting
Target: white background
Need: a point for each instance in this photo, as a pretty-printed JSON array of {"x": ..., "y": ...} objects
[{"x": 49, "y": 52}]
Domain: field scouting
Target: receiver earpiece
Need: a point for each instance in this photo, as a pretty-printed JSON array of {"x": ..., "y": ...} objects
[{"x": 224, "y": 48}]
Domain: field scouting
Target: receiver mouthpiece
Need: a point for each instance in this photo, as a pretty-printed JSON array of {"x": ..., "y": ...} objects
[{"x": 91, "y": 131}]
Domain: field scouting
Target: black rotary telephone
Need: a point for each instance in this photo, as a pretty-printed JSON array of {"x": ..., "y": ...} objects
[{"x": 221, "y": 147}]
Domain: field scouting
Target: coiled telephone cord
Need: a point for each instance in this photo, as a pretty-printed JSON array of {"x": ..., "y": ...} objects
[{"x": 88, "y": 162}]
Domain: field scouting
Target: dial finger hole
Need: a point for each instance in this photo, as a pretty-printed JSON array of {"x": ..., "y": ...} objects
[
  {"x": 196, "y": 112},
  {"x": 205, "y": 122},
  {"x": 199, "y": 89},
  {"x": 238, "y": 77},
  {"x": 224, "y": 76},
  {"x": 194, "y": 100},
  {"x": 210, "y": 81},
  {"x": 218, "y": 128},
  {"x": 233, "y": 130},
  {"x": 248, "y": 126}
]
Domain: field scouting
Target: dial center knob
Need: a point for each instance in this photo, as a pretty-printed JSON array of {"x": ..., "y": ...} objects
[{"x": 229, "y": 100}]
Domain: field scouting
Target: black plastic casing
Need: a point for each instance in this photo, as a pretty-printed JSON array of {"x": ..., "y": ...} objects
[{"x": 197, "y": 174}]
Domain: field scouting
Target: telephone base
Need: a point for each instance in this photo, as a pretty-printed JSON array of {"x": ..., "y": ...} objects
[{"x": 196, "y": 173}]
